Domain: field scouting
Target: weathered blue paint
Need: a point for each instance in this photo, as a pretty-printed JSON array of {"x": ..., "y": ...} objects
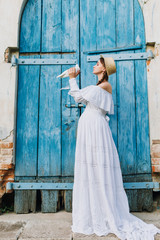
[
  {"x": 115, "y": 49},
  {"x": 125, "y": 89},
  {"x": 70, "y": 116},
  {"x": 63, "y": 29},
  {"x": 49, "y": 130},
  {"x": 143, "y": 162},
  {"x": 51, "y": 26},
  {"x": 30, "y": 29},
  {"x": 46, "y": 129},
  {"x": 56, "y": 124},
  {"x": 27, "y": 120}
]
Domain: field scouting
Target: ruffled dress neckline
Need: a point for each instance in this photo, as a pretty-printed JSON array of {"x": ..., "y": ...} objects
[{"x": 104, "y": 90}]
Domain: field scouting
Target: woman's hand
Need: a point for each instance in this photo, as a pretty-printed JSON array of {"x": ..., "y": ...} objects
[{"x": 72, "y": 72}]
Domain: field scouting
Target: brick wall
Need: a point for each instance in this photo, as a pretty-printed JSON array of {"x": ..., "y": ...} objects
[
  {"x": 6, "y": 165},
  {"x": 155, "y": 159}
]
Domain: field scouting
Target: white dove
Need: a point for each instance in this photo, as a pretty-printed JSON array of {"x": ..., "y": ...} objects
[{"x": 65, "y": 73}]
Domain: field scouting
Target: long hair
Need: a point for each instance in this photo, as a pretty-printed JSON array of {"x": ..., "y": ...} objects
[{"x": 105, "y": 75}]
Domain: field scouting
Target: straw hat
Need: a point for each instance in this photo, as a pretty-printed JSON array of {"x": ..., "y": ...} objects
[{"x": 109, "y": 64}]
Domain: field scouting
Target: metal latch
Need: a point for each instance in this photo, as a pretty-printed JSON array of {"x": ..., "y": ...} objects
[{"x": 68, "y": 105}]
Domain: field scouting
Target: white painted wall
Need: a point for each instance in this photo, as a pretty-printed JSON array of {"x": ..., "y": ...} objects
[
  {"x": 9, "y": 15},
  {"x": 10, "y": 12},
  {"x": 151, "y": 11}
]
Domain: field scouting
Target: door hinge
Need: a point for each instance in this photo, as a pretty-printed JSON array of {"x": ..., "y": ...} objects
[
  {"x": 43, "y": 61},
  {"x": 54, "y": 186},
  {"x": 124, "y": 56}
]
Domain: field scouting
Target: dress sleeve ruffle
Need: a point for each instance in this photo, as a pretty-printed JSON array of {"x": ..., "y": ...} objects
[
  {"x": 76, "y": 93},
  {"x": 92, "y": 93}
]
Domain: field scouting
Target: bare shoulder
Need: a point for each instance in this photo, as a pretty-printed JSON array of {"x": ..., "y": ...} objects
[{"x": 106, "y": 86}]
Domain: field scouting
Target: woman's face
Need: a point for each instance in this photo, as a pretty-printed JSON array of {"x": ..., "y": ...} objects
[{"x": 98, "y": 68}]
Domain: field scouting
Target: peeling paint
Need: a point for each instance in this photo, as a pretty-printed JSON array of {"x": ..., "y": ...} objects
[
  {"x": 148, "y": 62},
  {"x": 138, "y": 39}
]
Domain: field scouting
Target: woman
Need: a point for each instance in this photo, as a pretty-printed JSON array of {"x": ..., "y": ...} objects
[{"x": 100, "y": 204}]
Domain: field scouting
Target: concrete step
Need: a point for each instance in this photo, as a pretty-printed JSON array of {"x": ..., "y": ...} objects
[{"x": 55, "y": 226}]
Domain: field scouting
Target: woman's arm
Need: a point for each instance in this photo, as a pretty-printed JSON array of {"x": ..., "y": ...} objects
[{"x": 75, "y": 92}]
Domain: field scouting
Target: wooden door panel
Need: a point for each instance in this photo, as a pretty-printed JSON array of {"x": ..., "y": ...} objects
[
  {"x": 70, "y": 116},
  {"x": 105, "y": 24},
  {"x": 126, "y": 116},
  {"x": 143, "y": 163},
  {"x": 124, "y": 23},
  {"x": 27, "y": 120},
  {"x": 49, "y": 145},
  {"x": 51, "y": 26},
  {"x": 87, "y": 40},
  {"x": 30, "y": 31},
  {"x": 125, "y": 88}
]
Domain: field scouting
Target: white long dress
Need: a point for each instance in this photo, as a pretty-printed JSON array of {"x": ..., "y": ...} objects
[{"x": 99, "y": 201}]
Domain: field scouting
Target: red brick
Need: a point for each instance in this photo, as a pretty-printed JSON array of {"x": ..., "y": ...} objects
[
  {"x": 3, "y": 145},
  {"x": 6, "y": 175},
  {"x": 10, "y": 145},
  {"x": 155, "y": 168},
  {"x": 156, "y": 161},
  {"x": 4, "y": 166},
  {"x": 6, "y": 151},
  {"x": 8, "y": 178},
  {"x": 6, "y": 159},
  {"x": 2, "y": 172},
  {"x": 156, "y": 141},
  {"x": 6, "y": 145},
  {"x": 155, "y": 151}
]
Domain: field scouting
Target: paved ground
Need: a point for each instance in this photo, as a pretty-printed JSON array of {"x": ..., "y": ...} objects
[{"x": 54, "y": 226}]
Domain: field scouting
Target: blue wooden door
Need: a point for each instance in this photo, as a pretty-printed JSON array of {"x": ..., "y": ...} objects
[
  {"x": 46, "y": 128},
  {"x": 119, "y": 24}
]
